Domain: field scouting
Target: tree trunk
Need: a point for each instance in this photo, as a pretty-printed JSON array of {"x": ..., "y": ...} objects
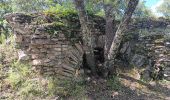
[
  {"x": 109, "y": 28},
  {"x": 88, "y": 37},
  {"x": 119, "y": 33}
]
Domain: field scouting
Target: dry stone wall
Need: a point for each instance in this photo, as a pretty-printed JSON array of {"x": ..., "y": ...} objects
[
  {"x": 150, "y": 51},
  {"x": 49, "y": 54},
  {"x": 158, "y": 52},
  {"x": 146, "y": 46}
]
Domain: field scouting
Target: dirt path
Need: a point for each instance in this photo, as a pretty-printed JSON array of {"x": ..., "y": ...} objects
[
  {"x": 131, "y": 89},
  {"x": 125, "y": 88}
]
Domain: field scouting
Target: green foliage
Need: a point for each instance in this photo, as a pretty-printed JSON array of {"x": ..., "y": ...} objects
[
  {"x": 17, "y": 74},
  {"x": 55, "y": 28},
  {"x": 31, "y": 88},
  {"x": 7, "y": 51},
  {"x": 5, "y": 7},
  {"x": 24, "y": 81},
  {"x": 29, "y": 5},
  {"x": 61, "y": 10},
  {"x": 63, "y": 21},
  {"x": 142, "y": 11},
  {"x": 94, "y": 7},
  {"x": 23, "y": 69},
  {"x": 2, "y": 38},
  {"x": 66, "y": 88},
  {"x": 164, "y": 8},
  {"x": 14, "y": 79},
  {"x": 28, "y": 84},
  {"x": 114, "y": 83},
  {"x": 97, "y": 7}
]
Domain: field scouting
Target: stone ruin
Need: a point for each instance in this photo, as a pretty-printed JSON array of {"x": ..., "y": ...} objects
[
  {"x": 48, "y": 54},
  {"x": 51, "y": 50}
]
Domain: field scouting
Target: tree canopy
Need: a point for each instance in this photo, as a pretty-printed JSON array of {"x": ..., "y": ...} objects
[{"x": 164, "y": 8}]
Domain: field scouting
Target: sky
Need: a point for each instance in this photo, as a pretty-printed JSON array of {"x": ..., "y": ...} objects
[
  {"x": 150, "y": 3},
  {"x": 153, "y": 4}
]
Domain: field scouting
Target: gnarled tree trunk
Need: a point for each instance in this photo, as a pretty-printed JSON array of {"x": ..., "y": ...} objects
[
  {"x": 119, "y": 33},
  {"x": 88, "y": 37}
]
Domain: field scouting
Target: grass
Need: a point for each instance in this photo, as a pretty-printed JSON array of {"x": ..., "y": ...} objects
[
  {"x": 28, "y": 84},
  {"x": 114, "y": 83},
  {"x": 66, "y": 88},
  {"x": 18, "y": 79},
  {"x": 23, "y": 82},
  {"x": 2, "y": 38}
]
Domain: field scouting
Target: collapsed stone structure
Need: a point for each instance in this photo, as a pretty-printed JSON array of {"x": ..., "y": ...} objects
[{"x": 54, "y": 48}]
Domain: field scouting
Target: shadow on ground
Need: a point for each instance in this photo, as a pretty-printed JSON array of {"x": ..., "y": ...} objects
[{"x": 100, "y": 91}]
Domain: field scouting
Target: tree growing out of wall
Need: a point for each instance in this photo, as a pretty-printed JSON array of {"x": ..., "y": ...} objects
[{"x": 112, "y": 44}]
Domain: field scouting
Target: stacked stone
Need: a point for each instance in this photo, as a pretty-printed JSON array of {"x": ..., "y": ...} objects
[
  {"x": 167, "y": 44},
  {"x": 158, "y": 52},
  {"x": 54, "y": 55},
  {"x": 22, "y": 32},
  {"x": 46, "y": 51},
  {"x": 167, "y": 69},
  {"x": 49, "y": 53}
]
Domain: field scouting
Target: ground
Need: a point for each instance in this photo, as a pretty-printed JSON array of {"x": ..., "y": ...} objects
[
  {"x": 128, "y": 89},
  {"x": 127, "y": 85}
]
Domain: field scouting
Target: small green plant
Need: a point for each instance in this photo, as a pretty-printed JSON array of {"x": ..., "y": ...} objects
[
  {"x": 20, "y": 78},
  {"x": 31, "y": 88},
  {"x": 17, "y": 74},
  {"x": 2, "y": 38},
  {"x": 66, "y": 88},
  {"x": 14, "y": 79},
  {"x": 61, "y": 10},
  {"x": 23, "y": 68},
  {"x": 114, "y": 83},
  {"x": 7, "y": 51}
]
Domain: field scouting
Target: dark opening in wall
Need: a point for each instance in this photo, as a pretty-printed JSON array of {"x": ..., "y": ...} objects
[{"x": 99, "y": 60}]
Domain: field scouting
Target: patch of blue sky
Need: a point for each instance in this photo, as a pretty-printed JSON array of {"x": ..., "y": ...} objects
[{"x": 153, "y": 4}]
